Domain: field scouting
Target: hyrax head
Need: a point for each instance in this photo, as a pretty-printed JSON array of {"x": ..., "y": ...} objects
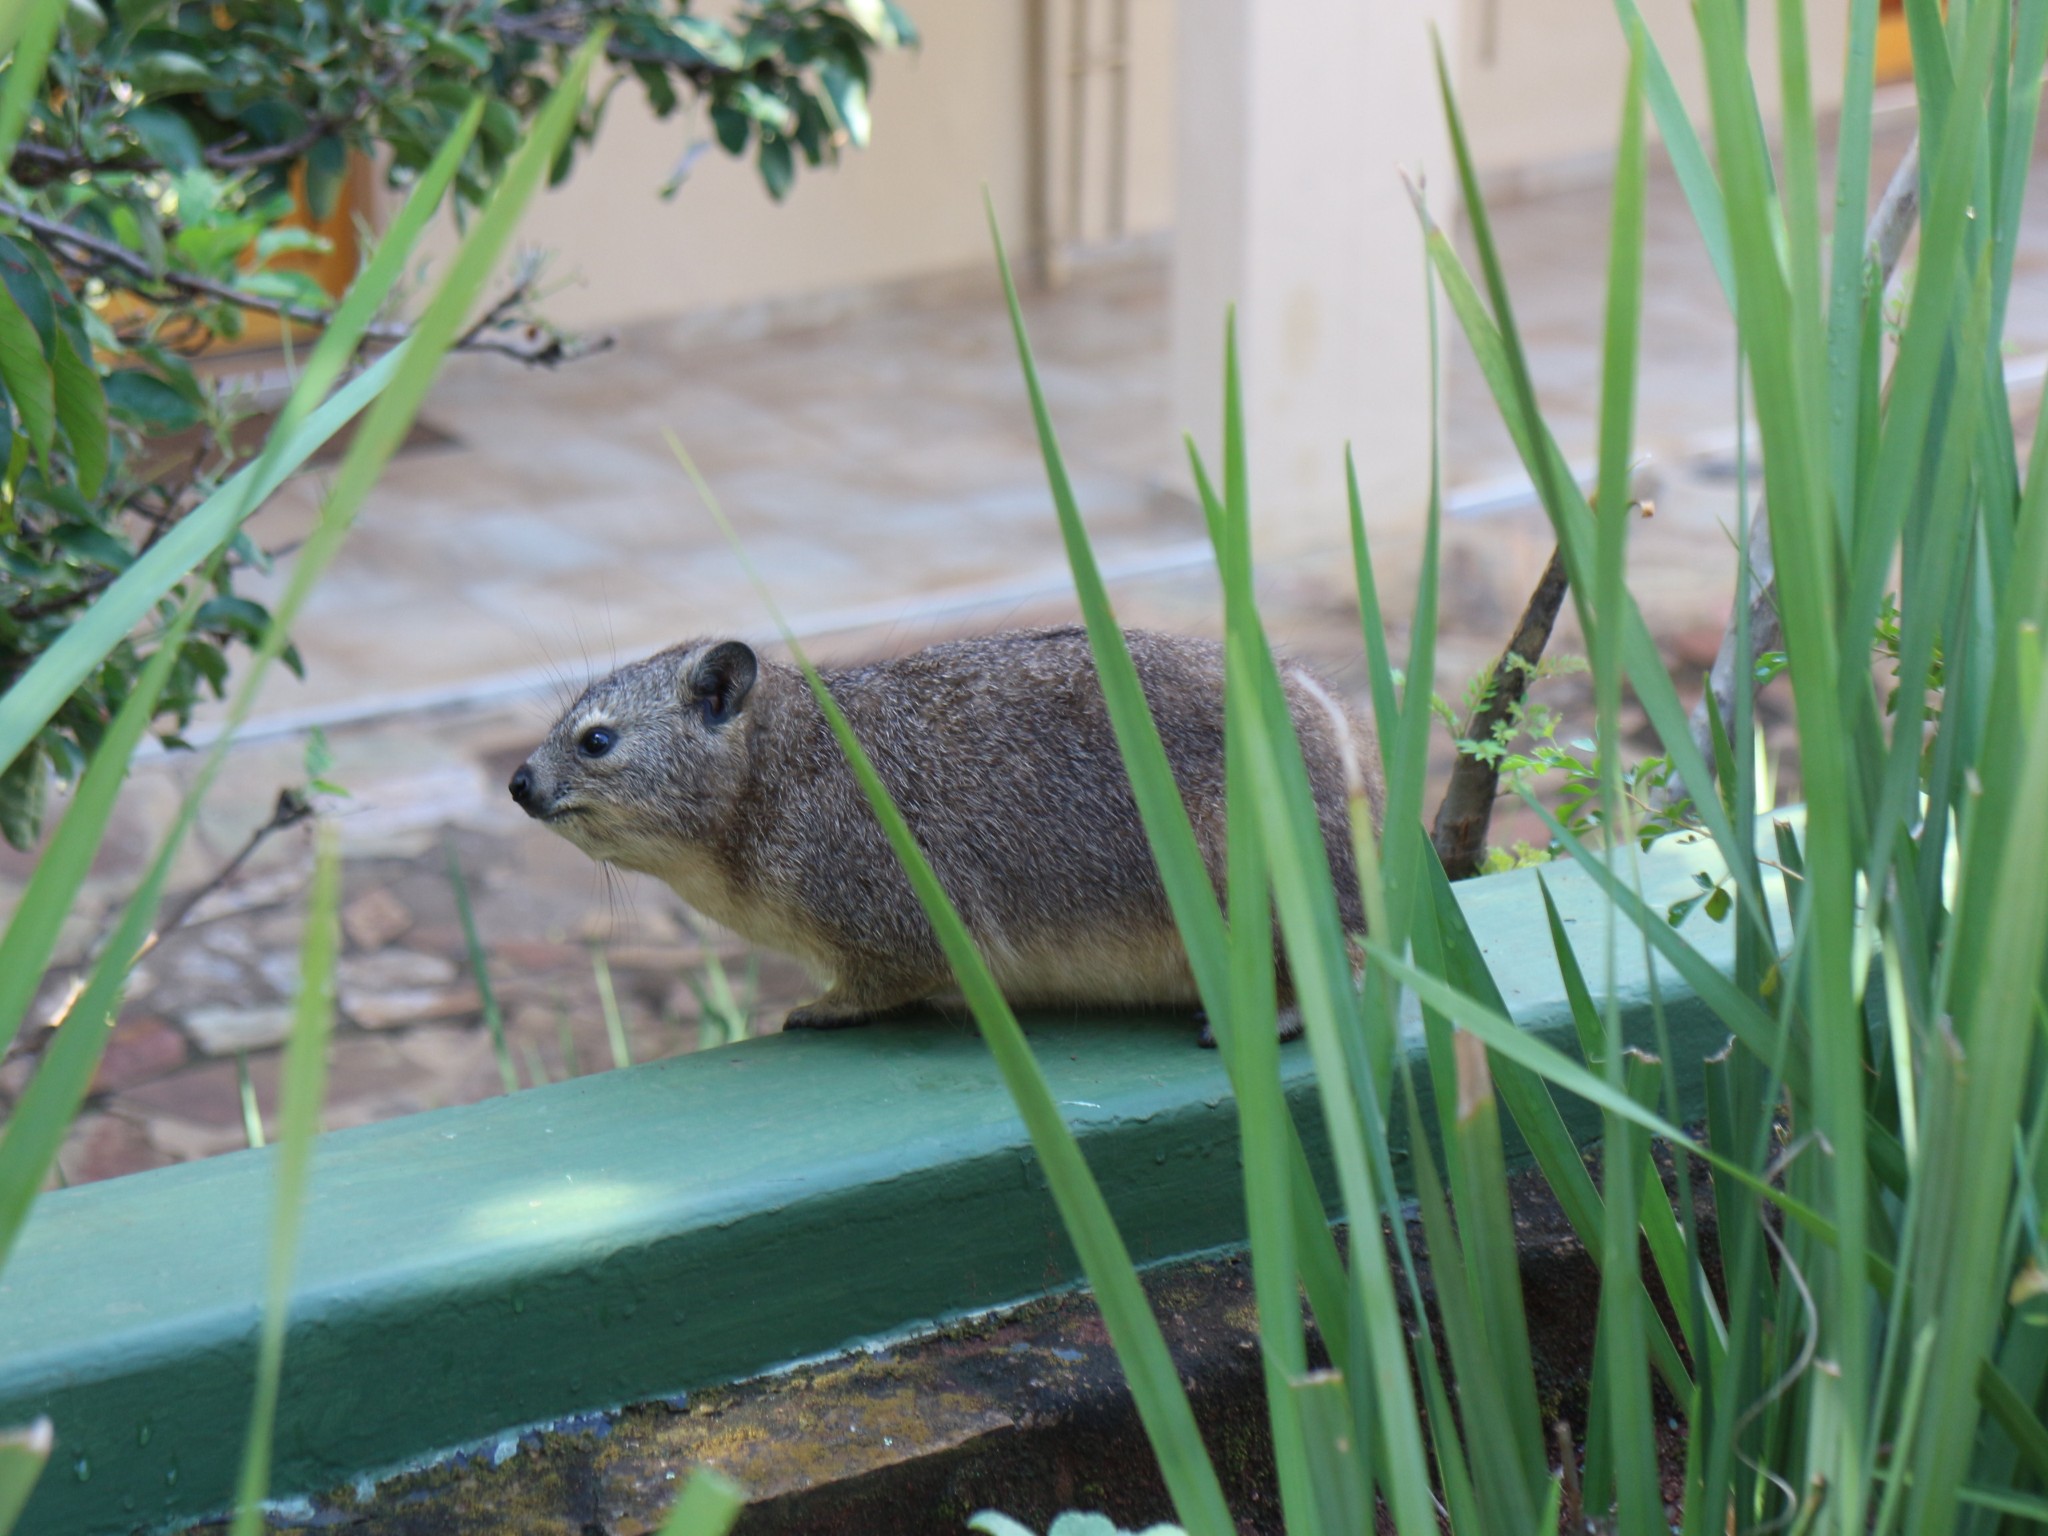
[{"x": 647, "y": 761}]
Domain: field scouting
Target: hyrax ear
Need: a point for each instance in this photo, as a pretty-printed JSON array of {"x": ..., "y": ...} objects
[{"x": 719, "y": 681}]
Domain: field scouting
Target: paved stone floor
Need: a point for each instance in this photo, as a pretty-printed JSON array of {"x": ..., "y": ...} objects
[{"x": 885, "y": 475}]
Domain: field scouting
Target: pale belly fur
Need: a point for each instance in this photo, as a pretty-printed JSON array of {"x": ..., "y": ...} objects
[{"x": 1128, "y": 969}]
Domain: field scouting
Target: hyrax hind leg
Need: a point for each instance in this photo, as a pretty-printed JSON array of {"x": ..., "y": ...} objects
[
  {"x": 1289, "y": 1010},
  {"x": 859, "y": 996}
]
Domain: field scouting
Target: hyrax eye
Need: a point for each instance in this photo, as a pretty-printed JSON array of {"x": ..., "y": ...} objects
[{"x": 596, "y": 741}]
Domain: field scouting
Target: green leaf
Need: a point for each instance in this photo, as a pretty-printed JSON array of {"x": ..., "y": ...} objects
[
  {"x": 166, "y": 135},
  {"x": 300, "y": 430},
  {"x": 26, "y": 373},
  {"x": 148, "y": 401},
  {"x": 170, "y": 73},
  {"x": 326, "y": 174},
  {"x": 91, "y": 544},
  {"x": 732, "y": 126},
  {"x": 462, "y": 50},
  {"x": 24, "y": 793},
  {"x": 715, "y": 42},
  {"x": 849, "y": 100},
  {"x": 876, "y": 19},
  {"x": 84, "y": 25},
  {"x": 82, "y": 413},
  {"x": 778, "y": 166}
]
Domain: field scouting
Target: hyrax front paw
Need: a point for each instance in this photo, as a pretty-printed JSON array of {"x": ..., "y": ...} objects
[
  {"x": 826, "y": 1014},
  {"x": 1289, "y": 1022}
]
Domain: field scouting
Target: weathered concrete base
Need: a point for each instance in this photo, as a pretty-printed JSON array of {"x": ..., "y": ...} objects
[{"x": 1026, "y": 1413}]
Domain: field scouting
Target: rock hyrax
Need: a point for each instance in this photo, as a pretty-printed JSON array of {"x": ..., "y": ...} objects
[{"x": 715, "y": 771}]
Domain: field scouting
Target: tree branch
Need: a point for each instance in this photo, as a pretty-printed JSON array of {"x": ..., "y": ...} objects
[
  {"x": 115, "y": 264},
  {"x": 1466, "y": 813}
]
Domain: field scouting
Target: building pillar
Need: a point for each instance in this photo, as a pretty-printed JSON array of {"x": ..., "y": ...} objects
[{"x": 1295, "y": 122}]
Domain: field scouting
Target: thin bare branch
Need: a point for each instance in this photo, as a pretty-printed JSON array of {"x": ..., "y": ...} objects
[{"x": 116, "y": 265}]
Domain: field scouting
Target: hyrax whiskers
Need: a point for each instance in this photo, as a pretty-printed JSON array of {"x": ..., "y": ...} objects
[{"x": 715, "y": 771}]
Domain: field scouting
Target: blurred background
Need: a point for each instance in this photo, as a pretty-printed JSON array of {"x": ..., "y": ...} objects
[{"x": 839, "y": 364}]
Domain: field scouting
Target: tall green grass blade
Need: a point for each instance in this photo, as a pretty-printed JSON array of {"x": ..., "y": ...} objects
[
  {"x": 31, "y": 28},
  {"x": 1487, "y": 1227},
  {"x": 1485, "y": 1414},
  {"x": 1407, "y": 769},
  {"x": 710, "y": 1505},
  {"x": 1970, "y": 1168},
  {"x": 1573, "y": 522},
  {"x": 301, "y": 1095},
  {"x": 1190, "y": 895},
  {"x": 35, "y": 1130},
  {"x": 1134, "y": 1331},
  {"x": 301, "y": 429},
  {"x": 608, "y": 1002},
  {"x": 1622, "y": 1365},
  {"x": 1799, "y": 199},
  {"x": 1349, "y": 1095},
  {"x": 252, "y": 1112},
  {"x": 1352, "y": 1067},
  {"x": 1849, "y": 285},
  {"x": 53, "y": 885},
  {"x": 1337, "y": 1464},
  {"x": 23, "y": 1455},
  {"x": 480, "y": 970},
  {"x": 1502, "y": 1037},
  {"x": 1922, "y": 361},
  {"x": 1475, "y": 1158},
  {"x": 46, "y": 1109},
  {"x": 1252, "y": 1040},
  {"x": 1689, "y": 160},
  {"x": 2023, "y": 109},
  {"x": 1386, "y": 710}
]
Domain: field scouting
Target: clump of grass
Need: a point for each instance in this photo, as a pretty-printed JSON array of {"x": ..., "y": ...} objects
[{"x": 1865, "y": 1362}]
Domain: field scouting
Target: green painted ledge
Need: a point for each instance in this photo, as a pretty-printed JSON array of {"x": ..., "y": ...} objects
[{"x": 646, "y": 1232}]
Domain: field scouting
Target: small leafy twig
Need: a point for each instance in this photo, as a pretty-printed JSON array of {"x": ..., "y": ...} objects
[
  {"x": 1466, "y": 813},
  {"x": 292, "y": 808},
  {"x": 119, "y": 267}
]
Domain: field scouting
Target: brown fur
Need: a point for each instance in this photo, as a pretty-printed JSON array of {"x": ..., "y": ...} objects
[{"x": 724, "y": 780}]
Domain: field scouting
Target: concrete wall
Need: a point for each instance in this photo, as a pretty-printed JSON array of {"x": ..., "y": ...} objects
[
  {"x": 1539, "y": 82},
  {"x": 946, "y": 120}
]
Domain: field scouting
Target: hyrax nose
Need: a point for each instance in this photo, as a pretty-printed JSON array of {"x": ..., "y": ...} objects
[{"x": 522, "y": 787}]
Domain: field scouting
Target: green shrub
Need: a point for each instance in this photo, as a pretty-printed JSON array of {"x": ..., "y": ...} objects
[{"x": 144, "y": 210}]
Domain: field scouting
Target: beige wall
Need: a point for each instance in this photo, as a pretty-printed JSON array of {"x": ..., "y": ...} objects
[
  {"x": 1539, "y": 82},
  {"x": 946, "y": 119}
]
